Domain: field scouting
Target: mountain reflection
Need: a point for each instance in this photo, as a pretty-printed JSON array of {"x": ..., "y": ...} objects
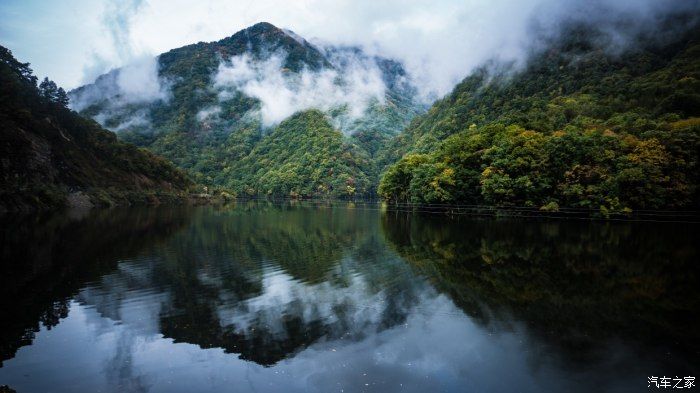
[
  {"x": 264, "y": 283},
  {"x": 274, "y": 282}
]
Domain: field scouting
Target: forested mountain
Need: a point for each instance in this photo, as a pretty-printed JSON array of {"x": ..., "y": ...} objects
[
  {"x": 218, "y": 109},
  {"x": 51, "y": 156},
  {"x": 585, "y": 123},
  {"x": 588, "y": 121}
]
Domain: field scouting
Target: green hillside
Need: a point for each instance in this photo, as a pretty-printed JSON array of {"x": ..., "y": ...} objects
[
  {"x": 579, "y": 126},
  {"x": 303, "y": 156},
  {"x": 51, "y": 156}
]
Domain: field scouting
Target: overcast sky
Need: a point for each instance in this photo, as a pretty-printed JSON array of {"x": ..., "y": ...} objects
[{"x": 73, "y": 41}]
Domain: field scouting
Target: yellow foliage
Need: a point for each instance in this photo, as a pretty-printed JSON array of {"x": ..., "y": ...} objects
[
  {"x": 685, "y": 123},
  {"x": 649, "y": 151}
]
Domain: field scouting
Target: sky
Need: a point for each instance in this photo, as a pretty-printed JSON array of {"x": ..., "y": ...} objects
[{"x": 440, "y": 41}]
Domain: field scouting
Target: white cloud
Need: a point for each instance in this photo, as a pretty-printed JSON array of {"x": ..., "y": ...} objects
[
  {"x": 440, "y": 41},
  {"x": 282, "y": 93},
  {"x": 208, "y": 113},
  {"x": 138, "y": 81}
]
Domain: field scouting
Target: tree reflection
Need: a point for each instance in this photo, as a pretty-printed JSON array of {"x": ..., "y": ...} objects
[
  {"x": 574, "y": 284},
  {"x": 45, "y": 261}
]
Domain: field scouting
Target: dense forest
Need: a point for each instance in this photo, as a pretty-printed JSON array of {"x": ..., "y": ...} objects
[
  {"x": 304, "y": 155},
  {"x": 579, "y": 126},
  {"x": 51, "y": 156}
]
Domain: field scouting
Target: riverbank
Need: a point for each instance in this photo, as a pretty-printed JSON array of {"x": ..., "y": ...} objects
[{"x": 85, "y": 199}]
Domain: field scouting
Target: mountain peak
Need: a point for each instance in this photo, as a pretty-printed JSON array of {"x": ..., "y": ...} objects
[
  {"x": 262, "y": 27},
  {"x": 263, "y": 39},
  {"x": 263, "y": 32}
]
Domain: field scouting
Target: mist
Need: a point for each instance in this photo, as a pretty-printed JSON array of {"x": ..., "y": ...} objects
[
  {"x": 282, "y": 93},
  {"x": 440, "y": 42},
  {"x": 136, "y": 83},
  {"x": 139, "y": 82},
  {"x": 438, "y": 45}
]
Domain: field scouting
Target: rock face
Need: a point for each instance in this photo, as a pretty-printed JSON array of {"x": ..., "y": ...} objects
[
  {"x": 79, "y": 200},
  {"x": 52, "y": 157}
]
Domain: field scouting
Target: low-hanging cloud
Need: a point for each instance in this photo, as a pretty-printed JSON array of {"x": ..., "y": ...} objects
[
  {"x": 139, "y": 81},
  {"x": 136, "y": 83},
  {"x": 117, "y": 47},
  {"x": 439, "y": 41},
  {"x": 282, "y": 92},
  {"x": 208, "y": 113}
]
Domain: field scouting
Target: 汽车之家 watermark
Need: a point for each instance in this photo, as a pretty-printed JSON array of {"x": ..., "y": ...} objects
[{"x": 671, "y": 382}]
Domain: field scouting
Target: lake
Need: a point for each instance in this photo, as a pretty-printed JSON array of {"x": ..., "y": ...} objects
[{"x": 343, "y": 297}]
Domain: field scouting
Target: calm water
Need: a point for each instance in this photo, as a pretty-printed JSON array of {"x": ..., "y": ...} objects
[{"x": 315, "y": 297}]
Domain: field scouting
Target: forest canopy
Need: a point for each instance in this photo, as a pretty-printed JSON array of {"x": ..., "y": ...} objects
[{"x": 578, "y": 127}]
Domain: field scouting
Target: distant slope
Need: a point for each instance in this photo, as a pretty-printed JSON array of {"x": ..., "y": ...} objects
[
  {"x": 207, "y": 111},
  {"x": 52, "y": 156},
  {"x": 304, "y": 156},
  {"x": 580, "y": 126}
]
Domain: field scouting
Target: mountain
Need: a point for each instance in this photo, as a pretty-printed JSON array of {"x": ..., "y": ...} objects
[
  {"x": 51, "y": 156},
  {"x": 585, "y": 123},
  {"x": 212, "y": 108}
]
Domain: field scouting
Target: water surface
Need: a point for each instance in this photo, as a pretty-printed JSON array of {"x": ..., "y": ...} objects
[{"x": 342, "y": 297}]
